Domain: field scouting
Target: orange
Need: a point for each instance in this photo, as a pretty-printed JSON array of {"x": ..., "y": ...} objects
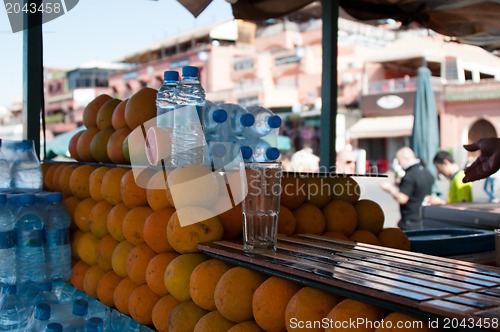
[
  {"x": 79, "y": 181},
  {"x": 119, "y": 257},
  {"x": 340, "y": 217},
  {"x": 106, "y": 288},
  {"x": 95, "y": 182},
  {"x": 55, "y": 178},
  {"x": 213, "y": 322},
  {"x": 366, "y": 315},
  {"x": 234, "y": 292},
  {"x": 184, "y": 316},
  {"x": 203, "y": 281},
  {"x": 92, "y": 108},
  {"x": 137, "y": 262},
  {"x": 293, "y": 192},
  {"x": 161, "y": 312},
  {"x": 178, "y": 273},
  {"x": 115, "y": 219},
  {"x": 336, "y": 235},
  {"x": 82, "y": 211},
  {"x": 87, "y": 248},
  {"x": 156, "y": 193},
  {"x": 319, "y": 190},
  {"x": 133, "y": 224},
  {"x": 74, "y": 238},
  {"x": 71, "y": 203},
  {"x": 248, "y": 326},
  {"x": 394, "y": 238},
  {"x": 185, "y": 239},
  {"x": 48, "y": 175},
  {"x": 91, "y": 279},
  {"x": 364, "y": 236},
  {"x": 309, "y": 219},
  {"x": 309, "y": 305},
  {"x": 98, "y": 217},
  {"x": 78, "y": 274},
  {"x": 286, "y": 221},
  {"x": 370, "y": 215},
  {"x": 122, "y": 293},
  {"x": 269, "y": 302},
  {"x": 64, "y": 178},
  {"x": 105, "y": 250},
  {"x": 141, "y": 303},
  {"x": 155, "y": 272},
  {"x": 400, "y": 322},
  {"x": 155, "y": 230},
  {"x": 232, "y": 223},
  {"x": 345, "y": 188},
  {"x": 132, "y": 195},
  {"x": 110, "y": 186},
  {"x": 140, "y": 107}
]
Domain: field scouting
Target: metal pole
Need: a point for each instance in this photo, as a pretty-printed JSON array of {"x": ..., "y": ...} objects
[
  {"x": 32, "y": 75},
  {"x": 329, "y": 85}
]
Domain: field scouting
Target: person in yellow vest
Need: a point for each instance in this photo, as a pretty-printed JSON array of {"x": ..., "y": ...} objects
[{"x": 458, "y": 190}]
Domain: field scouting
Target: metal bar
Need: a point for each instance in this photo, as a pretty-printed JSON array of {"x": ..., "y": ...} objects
[
  {"x": 32, "y": 75},
  {"x": 328, "y": 133}
]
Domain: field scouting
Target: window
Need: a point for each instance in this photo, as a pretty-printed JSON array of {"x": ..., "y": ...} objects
[
  {"x": 243, "y": 64},
  {"x": 286, "y": 60}
]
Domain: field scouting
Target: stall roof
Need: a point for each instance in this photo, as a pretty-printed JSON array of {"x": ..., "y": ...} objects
[{"x": 387, "y": 126}]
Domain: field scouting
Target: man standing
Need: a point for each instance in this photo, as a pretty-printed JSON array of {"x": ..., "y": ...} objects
[{"x": 415, "y": 185}]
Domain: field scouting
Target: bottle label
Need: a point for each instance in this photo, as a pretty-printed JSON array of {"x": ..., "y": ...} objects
[
  {"x": 29, "y": 238},
  {"x": 57, "y": 237},
  {"x": 7, "y": 239}
]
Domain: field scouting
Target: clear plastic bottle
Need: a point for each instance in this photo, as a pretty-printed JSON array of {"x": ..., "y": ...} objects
[
  {"x": 265, "y": 122},
  {"x": 7, "y": 244},
  {"x": 4, "y": 171},
  {"x": 188, "y": 141},
  {"x": 26, "y": 171},
  {"x": 213, "y": 119},
  {"x": 45, "y": 294},
  {"x": 262, "y": 151},
  {"x": 54, "y": 327},
  {"x": 95, "y": 324},
  {"x": 56, "y": 233},
  {"x": 13, "y": 310},
  {"x": 79, "y": 316},
  {"x": 30, "y": 257},
  {"x": 40, "y": 318},
  {"x": 239, "y": 119},
  {"x": 165, "y": 99}
]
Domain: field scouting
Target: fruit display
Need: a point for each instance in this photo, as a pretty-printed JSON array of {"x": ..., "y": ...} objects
[{"x": 131, "y": 251}]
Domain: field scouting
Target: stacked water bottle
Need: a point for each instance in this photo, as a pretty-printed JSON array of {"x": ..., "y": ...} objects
[{"x": 227, "y": 128}]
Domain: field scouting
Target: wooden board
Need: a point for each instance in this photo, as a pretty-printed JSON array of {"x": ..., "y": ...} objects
[{"x": 419, "y": 284}]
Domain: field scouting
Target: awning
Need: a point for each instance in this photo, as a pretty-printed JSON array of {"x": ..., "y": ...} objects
[{"x": 384, "y": 126}]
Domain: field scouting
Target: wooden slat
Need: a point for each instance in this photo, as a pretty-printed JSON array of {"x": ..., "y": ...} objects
[{"x": 410, "y": 282}]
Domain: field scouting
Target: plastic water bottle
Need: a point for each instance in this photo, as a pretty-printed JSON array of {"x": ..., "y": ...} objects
[
  {"x": 265, "y": 122},
  {"x": 7, "y": 244},
  {"x": 13, "y": 310},
  {"x": 54, "y": 327},
  {"x": 40, "y": 319},
  {"x": 79, "y": 315},
  {"x": 30, "y": 257},
  {"x": 56, "y": 232},
  {"x": 26, "y": 172},
  {"x": 213, "y": 119},
  {"x": 45, "y": 294},
  {"x": 65, "y": 293},
  {"x": 262, "y": 151},
  {"x": 188, "y": 141},
  {"x": 239, "y": 118},
  {"x": 95, "y": 324},
  {"x": 165, "y": 99},
  {"x": 4, "y": 171}
]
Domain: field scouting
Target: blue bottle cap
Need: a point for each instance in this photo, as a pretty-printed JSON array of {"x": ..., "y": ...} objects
[
  {"x": 95, "y": 324},
  {"x": 219, "y": 116},
  {"x": 54, "y": 197},
  {"x": 272, "y": 153},
  {"x": 274, "y": 121},
  {"x": 170, "y": 75},
  {"x": 218, "y": 150},
  {"x": 246, "y": 152},
  {"x": 27, "y": 144},
  {"x": 80, "y": 307},
  {"x": 26, "y": 199},
  {"x": 247, "y": 120},
  {"x": 53, "y": 327},
  {"x": 42, "y": 311},
  {"x": 189, "y": 71}
]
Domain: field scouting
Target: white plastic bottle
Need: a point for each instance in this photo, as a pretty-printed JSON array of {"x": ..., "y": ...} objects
[
  {"x": 56, "y": 233},
  {"x": 40, "y": 318},
  {"x": 26, "y": 171},
  {"x": 213, "y": 119},
  {"x": 188, "y": 141},
  {"x": 265, "y": 122},
  {"x": 13, "y": 310},
  {"x": 262, "y": 151},
  {"x": 7, "y": 244},
  {"x": 239, "y": 119},
  {"x": 165, "y": 99},
  {"x": 4, "y": 171},
  {"x": 30, "y": 257},
  {"x": 79, "y": 316}
]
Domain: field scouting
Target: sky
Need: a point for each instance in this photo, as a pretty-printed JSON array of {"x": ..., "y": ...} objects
[{"x": 99, "y": 30}]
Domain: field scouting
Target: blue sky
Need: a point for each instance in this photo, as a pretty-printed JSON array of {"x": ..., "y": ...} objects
[{"x": 103, "y": 30}]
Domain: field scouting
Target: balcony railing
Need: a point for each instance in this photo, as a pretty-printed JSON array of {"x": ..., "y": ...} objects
[{"x": 397, "y": 85}]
